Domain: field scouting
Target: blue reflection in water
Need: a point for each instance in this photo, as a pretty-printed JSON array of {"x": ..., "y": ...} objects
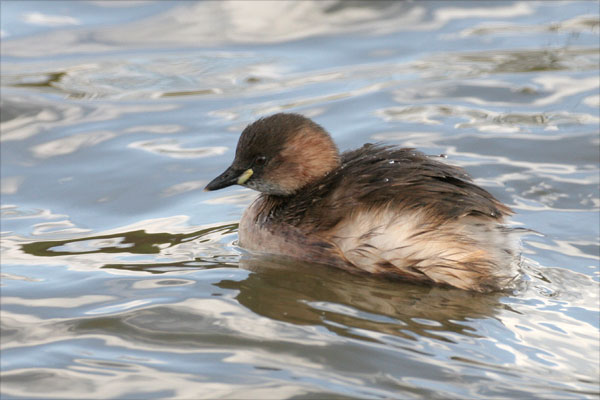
[{"x": 121, "y": 278}]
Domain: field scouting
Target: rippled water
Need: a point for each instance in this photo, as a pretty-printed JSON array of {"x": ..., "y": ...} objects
[{"x": 122, "y": 279}]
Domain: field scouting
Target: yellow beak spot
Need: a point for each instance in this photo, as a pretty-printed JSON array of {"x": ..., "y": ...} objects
[{"x": 245, "y": 176}]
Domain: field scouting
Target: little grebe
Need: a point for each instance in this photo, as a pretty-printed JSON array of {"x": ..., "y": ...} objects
[{"x": 381, "y": 209}]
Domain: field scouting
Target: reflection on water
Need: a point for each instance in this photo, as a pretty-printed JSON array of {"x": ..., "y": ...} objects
[
  {"x": 345, "y": 303},
  {"x": 136, "y": 250},
  {"x": 121, "y": 279}
]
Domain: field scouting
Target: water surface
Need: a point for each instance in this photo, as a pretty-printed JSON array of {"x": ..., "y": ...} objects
[{"x": 122, "y": 279}]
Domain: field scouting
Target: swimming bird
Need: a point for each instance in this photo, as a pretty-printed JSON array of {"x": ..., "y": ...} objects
[{"x": 378, "y": 209}]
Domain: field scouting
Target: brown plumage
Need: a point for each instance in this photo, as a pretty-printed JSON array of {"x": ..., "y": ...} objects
[{"x": 381, "y": 209}]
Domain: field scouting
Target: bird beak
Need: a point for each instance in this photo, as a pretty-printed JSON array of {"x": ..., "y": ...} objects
[{"x": 231, "y": 176}]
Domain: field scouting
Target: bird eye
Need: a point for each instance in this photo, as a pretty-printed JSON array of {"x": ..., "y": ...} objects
[{"x": 260, "y": 161}]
